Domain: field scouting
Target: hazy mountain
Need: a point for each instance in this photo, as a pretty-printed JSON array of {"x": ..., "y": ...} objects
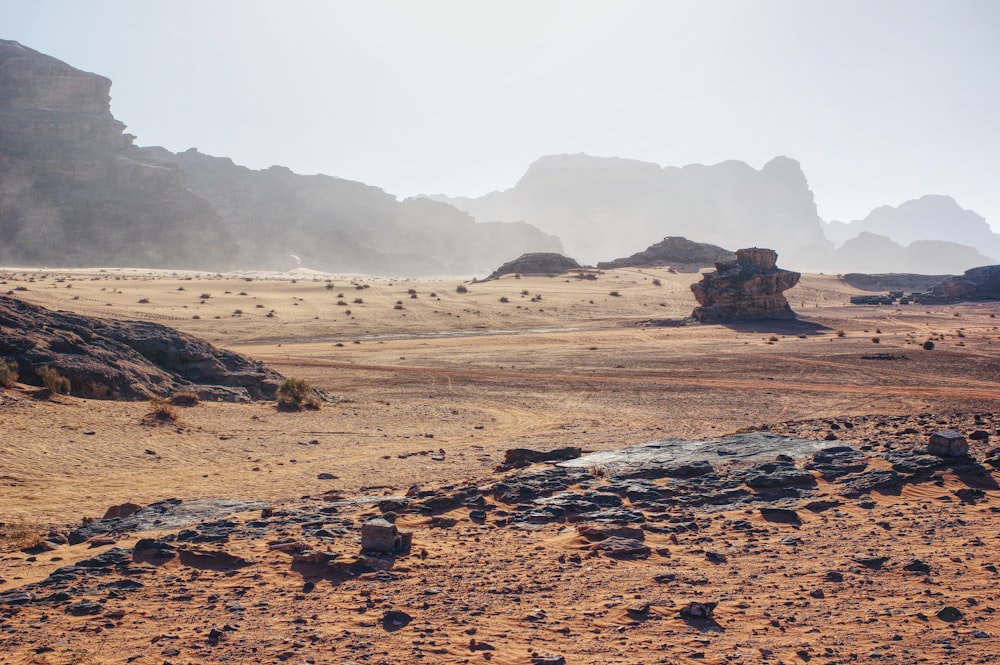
[
  {"x": 603, "y": 207},
  {"x": 75, "y": 191},
  {"x": 873, "y": 253},
  {"x": 932, "y": 217}
]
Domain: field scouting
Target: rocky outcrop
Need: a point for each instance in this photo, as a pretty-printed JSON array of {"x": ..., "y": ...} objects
[
  {"x": 74, "y": 191},
  {"x": 747, "y": 289},
  {"x": 981, "y": 283},
  {"x": 893, "y": 281},
  {"x": 125, "y": 359},
  {"x": 676, "y": 252},
  {"x": 536, "y": 263}
]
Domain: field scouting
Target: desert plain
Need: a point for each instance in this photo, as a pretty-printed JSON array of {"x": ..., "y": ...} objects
[{"x": 430, "y": 387}]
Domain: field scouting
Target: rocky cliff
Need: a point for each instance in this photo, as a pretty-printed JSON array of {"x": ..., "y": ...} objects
[
  {"x": 676, "y": 252},
  {"x": 125, "y": 359},
  {"x": 74, "y": 191},
  {"x": 748, "y": 289},
  {"x": 536, "y": 263},
  {"x": 603, "y": 207}
]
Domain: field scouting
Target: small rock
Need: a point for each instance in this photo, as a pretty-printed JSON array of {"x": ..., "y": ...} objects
[
  {"x": 948, "y": 443},
  {"x": 698, "y": 610},
  {"x": 949, "y": 614}
]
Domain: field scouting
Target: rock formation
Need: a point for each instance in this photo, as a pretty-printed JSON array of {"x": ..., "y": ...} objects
[
  {"x": 536, "y": 263},
  {"x": 125, "y": 359},
  {"x": 74, "y": 191},
  {"x": 747, "y": 289},
  {"x": 676, "y": 252},
  {"x": 981, "y": 283}
]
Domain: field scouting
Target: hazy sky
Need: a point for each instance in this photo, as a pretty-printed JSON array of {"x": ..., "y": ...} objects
[{"x": 881, "y": 101}]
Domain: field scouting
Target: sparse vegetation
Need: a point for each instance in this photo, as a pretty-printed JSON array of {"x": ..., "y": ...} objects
[
  {"x": 186, "y": 398},
  {"x": 928, "y": 345},
  {"x": 18, "y": 536},
  {"x": 8, "y": 373},
  {"x": 876, "y": 340},
  {"x": 295, "y": 394},
  {"x": 504, "y": 299},
  {"x": 51, "y": 379},
  {"x": 841, "y": 333},
  {"x": 461, "y": 288},
  {"x": 162, "y": 410},
  {"x": 657, "y": 282},
  {"x": 614, "y": 294}
]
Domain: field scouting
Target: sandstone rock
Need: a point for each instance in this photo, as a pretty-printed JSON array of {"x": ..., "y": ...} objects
[
  {"x": 379, "y": 535},
  {"x": 948, "y": 443},
  {"x": 523, "y": 456},
  {"x": 130, "y": 360},
  {"x": 747, "y": 289},
  {"x": 536, "y": 263},
  {"x": 981, "y": 283},
  {"x": 122, "y": 510},
  {"x": 676, "y": 252}
]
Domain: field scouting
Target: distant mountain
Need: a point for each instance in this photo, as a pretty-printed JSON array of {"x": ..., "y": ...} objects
[
  {"x": 75, "y": 191},
  {"x": 680, "y": 253},
  {"x": 604, "y": 207},
  {"x": 873, "y": 253},
  {"x": 932, "y": 217},
  {"x": 342, "y": 225}
]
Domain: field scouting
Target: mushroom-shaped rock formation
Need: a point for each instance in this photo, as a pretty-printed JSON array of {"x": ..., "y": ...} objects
[{"x": 747, "y": 289}]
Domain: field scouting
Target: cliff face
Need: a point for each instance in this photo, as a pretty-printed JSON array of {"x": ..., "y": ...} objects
[
  {"x": 603, "y": 207},
  {"x": 74, "y": 191}
]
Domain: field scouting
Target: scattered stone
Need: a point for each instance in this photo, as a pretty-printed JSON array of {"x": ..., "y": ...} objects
[
  {"x": 621, "y": 548},
  {"x": 380, "y": 535},
  {"x": 781, "y": 515},
  {"x": 395, "y": 619},
  {"x": 949, "y": 614},
  {"x": 948, "y": 443},
  {"x": 84, "y": 608},
  {"x": 698, "y": 610},
  {"x": 917, "y": 566}
]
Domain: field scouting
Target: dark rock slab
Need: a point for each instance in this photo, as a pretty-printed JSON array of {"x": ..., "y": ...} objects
[{"x": 167, "y": 514}]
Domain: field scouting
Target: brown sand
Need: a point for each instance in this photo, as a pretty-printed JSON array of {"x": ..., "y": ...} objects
[{"x": 562, "y": 363}]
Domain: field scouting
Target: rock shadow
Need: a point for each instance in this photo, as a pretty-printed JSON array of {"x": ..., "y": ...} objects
[{"x": 778, "y": 326}]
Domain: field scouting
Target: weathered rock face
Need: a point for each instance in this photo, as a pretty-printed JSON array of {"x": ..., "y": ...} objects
[
  {"x": 537, "y": 263},
  {"x": 976, "y": 284},
  {"x": 674, "y": 251},
  {"x": 74, "y": 190},
  {"x": 125, "y": 359},
  {"x": 747, "y": 289}
]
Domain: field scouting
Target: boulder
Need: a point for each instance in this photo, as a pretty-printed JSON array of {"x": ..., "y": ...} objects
[
  {"x": 747, "y": 289},
  {"x": 948, "y": 443},
  {"x": 537, "y": 263},
  {"x": 981, "y": 283}
]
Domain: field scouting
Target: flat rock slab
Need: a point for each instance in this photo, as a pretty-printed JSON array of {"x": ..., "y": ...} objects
[
  {"x": 169, "y": 514},
  {"x": 659, "y": 458}
]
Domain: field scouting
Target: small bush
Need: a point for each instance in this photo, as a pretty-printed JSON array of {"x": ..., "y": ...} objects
[
  {"x": 185, "y": 399},
  {"x": 841, "y": 333},
  {"x": 772, "y": 338},
  {"x": 928, "y": 345},
  {"x": 8, "y": 373},
  {"x": 614, "y": 294},
  {"x": 52, "y": 380},
  {"x": 876, "y": 340},
  {"x": 504, "y": 299},
  {"x": 163, "y": 411},
  {"x": 657, "y": 282},
  {"x": 295, "y": 394},
  {"x": 18, "y": 536},
  {"x": 461, "y": 288}
]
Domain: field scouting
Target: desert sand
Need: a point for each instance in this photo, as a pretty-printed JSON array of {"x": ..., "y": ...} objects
[{"x": 431, "y": 387}]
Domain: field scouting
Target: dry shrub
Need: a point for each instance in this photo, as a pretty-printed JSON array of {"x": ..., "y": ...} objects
[
  {"x": 8, "y": 373},
  {"x": 51, "y": 379},
  {"x": 296, "y": 394},
  {"x": 163, "y": 411},
  {"x": 185, "y": 399},
  {"x": 18, "y": 536}
]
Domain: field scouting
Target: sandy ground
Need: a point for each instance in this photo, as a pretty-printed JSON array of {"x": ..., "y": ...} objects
[{"x": 432, "y": 390}]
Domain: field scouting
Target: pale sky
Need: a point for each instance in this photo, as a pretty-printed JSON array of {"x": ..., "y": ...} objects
[{"x": 881, "y": 101}]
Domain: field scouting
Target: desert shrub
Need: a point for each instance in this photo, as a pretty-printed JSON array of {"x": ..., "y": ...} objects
[
  {"x": 162, "y": 410},
  {"x": 18, "y": 536},
  {"x": 461, "y": 288},
  {"x": 876, "y": 340},
  {"x": 928, "y": 345},
  {"x": 186, "y": 398},
  {"x": 614, "y": 294},
  {"x": 504, "y": 299},
  {"x": 772, "y": 338},
  {"x": 295, "y": 394},
  {"x": 52, "y": 380},
  {"x": 841, "y": 333},
  {"x": 657, "y": 282},
  {"x": 8, "y": 373}
]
